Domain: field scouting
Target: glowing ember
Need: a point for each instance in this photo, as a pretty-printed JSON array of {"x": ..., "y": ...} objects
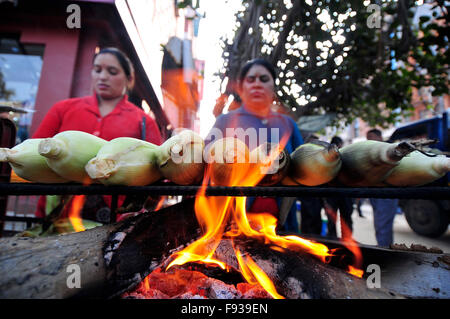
[{"x": 187, "y": 284}]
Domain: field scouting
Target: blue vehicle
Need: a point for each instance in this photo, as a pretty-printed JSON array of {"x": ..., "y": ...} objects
[{"x": 428, "y": 217}]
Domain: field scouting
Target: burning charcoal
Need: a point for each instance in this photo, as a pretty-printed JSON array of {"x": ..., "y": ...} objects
[
  {"x": 252, "y": 291},
  {"x": 155, "y": 294},
  {"x": 178, "y": 282},
  {"x": 256, "y": 293},
  {"x": 190, "y": 295},
  {"x": 144, "y": 293},
  {"x": 220, "y": 290},
  {"x": 191, "y": 284},
  {"x": 133, "y": 295}
]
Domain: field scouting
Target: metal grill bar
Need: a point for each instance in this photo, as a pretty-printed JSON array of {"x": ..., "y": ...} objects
[{"x": 426, "y": 192}]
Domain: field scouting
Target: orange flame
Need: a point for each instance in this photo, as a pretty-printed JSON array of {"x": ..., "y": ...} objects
[
  {"x": 355, "y": 271},
  {"x": 253, "y": 274},
  {"x": 214, "y": 214},
  {"x": 160, "y": 203},
  {"x": 348, "y": 242},
  {"x": 75, "y": 213},
  {"x": 146, "y": 284}
]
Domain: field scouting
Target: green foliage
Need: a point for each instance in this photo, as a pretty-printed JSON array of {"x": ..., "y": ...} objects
[
  {"x": 187, "y": 3},
  {"x": 184, "y": 4},
  {"x": 332, "y": 59}
]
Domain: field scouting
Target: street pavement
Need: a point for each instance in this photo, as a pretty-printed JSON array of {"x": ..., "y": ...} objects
[{"x": 364, "y": 232}]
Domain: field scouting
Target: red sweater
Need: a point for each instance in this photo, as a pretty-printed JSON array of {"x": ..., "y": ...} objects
[{"x": 82, "y": 114}]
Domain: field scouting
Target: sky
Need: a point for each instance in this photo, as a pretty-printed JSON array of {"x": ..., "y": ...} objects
[{"x": 219, "y": 21}]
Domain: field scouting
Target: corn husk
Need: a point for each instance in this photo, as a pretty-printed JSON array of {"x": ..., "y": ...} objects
[
  {"x": 68, "y": 152},
  {"x": 288, "y": 181},
  {"x": 368, "y": 163},
  {"x": 229, "y": 161},
  {"x": 315, "y": 163},
  {"x": 271, "y": 163},
  {"x": 59, "y": 226},
  {"x": 125, "y": 161},
  {"x": 26, "y": 162},
  {"x": 180, "y": 158},
  {"x": 417, "y": 169},
  {"x": 64, "y": 225}
]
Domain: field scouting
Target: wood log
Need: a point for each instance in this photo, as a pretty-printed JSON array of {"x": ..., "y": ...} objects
[
  {"x": 115, "y": 258},
  {"x": 110, "y": 258},
  {"x": 38, "y": 267},
  {"x": 138, "y": 247},
  {"x": 298, "y": 275}
]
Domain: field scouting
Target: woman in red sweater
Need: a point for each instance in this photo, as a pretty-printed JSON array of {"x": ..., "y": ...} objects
[{"x": 107, "y": 113}]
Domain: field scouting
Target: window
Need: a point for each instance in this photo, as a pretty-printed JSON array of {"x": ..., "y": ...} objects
[{"x": 20, "y": 71}]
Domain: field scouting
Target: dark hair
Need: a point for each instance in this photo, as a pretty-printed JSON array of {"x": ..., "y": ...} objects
[
  {"x": 311, "y": 137},
  {"x": 247, "y": 66},
  {"x": 124, "y": 61},
  {"x": 374, "y": 131},
  {"x": 336, "y": 140}
]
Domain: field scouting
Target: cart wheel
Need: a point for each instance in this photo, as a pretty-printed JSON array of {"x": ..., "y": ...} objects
[{"x": 426, "y": 217}]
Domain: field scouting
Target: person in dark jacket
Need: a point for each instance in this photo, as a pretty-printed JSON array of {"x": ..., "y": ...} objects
[{"x": 343, "y": 205}]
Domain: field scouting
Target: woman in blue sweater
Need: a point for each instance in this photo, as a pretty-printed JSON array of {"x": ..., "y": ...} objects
[{"x": 255, "y": 118}]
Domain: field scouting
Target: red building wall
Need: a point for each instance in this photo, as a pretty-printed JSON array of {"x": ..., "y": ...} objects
[
  {"x": 58, "y": 67},
  {"x": 68, "y": 53},
  {"x": 81, "y": 85},
  {"x": 61, "y": 46}
]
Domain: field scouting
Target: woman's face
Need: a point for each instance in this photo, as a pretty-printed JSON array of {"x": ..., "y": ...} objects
[
  {"x": 109, "y": 78},
  {"x": 257, "y": 88}
]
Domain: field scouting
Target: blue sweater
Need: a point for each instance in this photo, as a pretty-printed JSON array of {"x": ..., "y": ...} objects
[{"x": 245, "y": 126}]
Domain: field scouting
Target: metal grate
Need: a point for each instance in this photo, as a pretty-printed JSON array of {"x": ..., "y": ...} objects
[{"x": 426, "y": 192}]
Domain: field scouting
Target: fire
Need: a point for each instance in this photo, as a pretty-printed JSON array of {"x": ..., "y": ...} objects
[
  {"x": 355, "y": 271},
  {"x": 349, "y": 243},
  {"x": 146, "y": 283},
  {"x": 75, "y": 213},
  {"x": 214, "y": 214},
  {"x": 253, "y": 274},
  {"x": 160, "y": 203},
  {"x": 76, "y": 207}
]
